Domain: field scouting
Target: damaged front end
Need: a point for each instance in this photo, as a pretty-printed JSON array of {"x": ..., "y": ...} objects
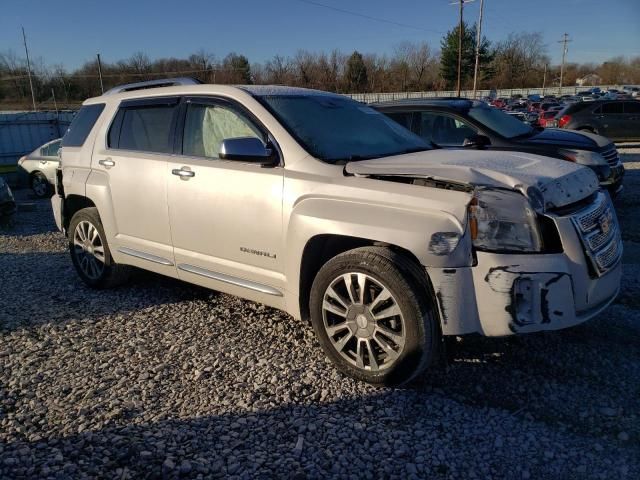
[
  {"x": 546, "y": 252},
  {"x": 559, "y": 276}
]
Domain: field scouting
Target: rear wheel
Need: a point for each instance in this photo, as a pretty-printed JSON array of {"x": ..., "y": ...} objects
[
  {"x": 372, "y": 311},
  {"x": 90, "y": 252},
  {"x": 40, "y": 185}
]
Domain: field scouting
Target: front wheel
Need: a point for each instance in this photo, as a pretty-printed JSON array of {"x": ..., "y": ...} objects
[
  {"x": 90, "y": 252},
  {"x": 40, "y": 185},
  {"x": 372, "y": 311}
]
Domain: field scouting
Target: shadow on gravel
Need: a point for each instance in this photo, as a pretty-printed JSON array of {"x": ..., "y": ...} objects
[
  {"x": 381, "y": 435},
  {"x": 41, "y": 288}
]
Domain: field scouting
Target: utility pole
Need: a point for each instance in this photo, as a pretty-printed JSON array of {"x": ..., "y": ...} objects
[
  {"x": 564, "y": 41},
  {"x": 33, "y": 97},
  {"x": 100, "y": 73},
  {"x": 459, "y": 47},
  {"x": 55, "y": 104},
  {"x": 478, "y": 40},
  {"x": 460, "y": 32},
  {"x": 544, "y": 78}
]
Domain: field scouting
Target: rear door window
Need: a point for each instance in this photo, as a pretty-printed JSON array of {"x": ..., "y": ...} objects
[
  {"x": 144, "y": 127},
  {"x": 612, "y": 108},
  {"x": 403, "y": 118},
  {"x": 81, "y": 125},
  {"x": 444, "y": 129}
]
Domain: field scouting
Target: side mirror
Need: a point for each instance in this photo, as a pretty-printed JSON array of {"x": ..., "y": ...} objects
[
  {"x": 476, "y": 141},
  {"x": 246, "y": 149}
]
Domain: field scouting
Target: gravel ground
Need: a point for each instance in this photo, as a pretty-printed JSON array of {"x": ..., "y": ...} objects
[{"x": 159, "y": 379}]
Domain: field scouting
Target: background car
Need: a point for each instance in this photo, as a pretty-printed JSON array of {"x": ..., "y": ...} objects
[
  {"x": 618, "y": 120},
  {"x": 456, "y": 123},
  {"x": 548, "y": 119},
  {"x": 40, "y": 167}
]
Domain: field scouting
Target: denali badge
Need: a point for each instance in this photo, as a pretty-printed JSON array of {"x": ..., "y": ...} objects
[
  {"x": 257, "y": 252},
  {"x": 605, "y": 221}
]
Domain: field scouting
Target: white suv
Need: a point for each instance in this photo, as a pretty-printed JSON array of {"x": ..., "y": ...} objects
[{"x": 318, "y": 205}]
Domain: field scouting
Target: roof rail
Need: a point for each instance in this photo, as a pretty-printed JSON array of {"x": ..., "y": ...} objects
[{"x": 163, "y": 82}]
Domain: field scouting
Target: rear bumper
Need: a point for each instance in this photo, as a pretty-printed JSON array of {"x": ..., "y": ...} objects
[{"x": 56, "y": 206}]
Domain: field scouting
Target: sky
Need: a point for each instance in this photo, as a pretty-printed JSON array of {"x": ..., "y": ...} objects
[{"x": 71, "y": 32}]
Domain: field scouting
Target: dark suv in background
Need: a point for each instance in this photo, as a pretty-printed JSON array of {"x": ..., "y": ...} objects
[
  {"x": 456, "y": 123},
  {"x": 618, "y": 120}
]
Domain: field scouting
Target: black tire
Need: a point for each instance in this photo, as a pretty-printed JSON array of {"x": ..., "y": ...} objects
[
  {"x": 111, "y": 274},
  {"x": 412, "y": 293},
  {"x": 40, "y": 185}
]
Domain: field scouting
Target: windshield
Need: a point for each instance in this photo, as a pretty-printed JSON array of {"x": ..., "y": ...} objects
[
  {"x": 500, "y": 122},
  {"x": 336, "y": 129}
]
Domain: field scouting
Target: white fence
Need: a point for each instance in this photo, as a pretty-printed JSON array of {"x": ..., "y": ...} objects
[{"x": 505, "y": 92}]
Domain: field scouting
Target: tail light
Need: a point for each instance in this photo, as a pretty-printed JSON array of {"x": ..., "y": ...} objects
[{"x": 563, "y": 120}]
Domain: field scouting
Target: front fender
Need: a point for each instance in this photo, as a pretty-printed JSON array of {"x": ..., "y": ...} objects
[{"x": 427, "y": 234}]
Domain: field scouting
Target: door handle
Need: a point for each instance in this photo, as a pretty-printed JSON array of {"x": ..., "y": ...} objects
[
  {"x": 107, "y": 162},
  {"x": 184, "y": 173}
]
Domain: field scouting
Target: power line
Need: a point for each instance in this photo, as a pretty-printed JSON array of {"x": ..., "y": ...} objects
[{"x": 368, "y": 17}]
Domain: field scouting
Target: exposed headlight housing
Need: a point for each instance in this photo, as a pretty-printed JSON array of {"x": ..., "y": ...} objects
[{"x": 503, "y": 221}]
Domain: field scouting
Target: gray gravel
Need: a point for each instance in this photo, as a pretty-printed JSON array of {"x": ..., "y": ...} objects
[{"x": 159, "y": 379}]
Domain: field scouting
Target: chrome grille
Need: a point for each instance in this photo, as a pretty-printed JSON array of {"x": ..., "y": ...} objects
[
  {"x": 609, "y": 255},
  {"x": 611, "y": 156},
  {"x": 597, "y": 239},
  {"x": 588, "y": 219},
  {"x": 599, "y": 232}
]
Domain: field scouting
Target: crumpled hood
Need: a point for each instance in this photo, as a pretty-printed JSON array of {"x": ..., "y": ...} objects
[{"x": 560, "y": 182}]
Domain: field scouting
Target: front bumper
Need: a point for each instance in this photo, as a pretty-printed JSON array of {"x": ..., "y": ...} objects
[
  {"x": 614, "y": 183},
  {"x": 505, "y": 294},
  {"x": 510, "y": 294}
]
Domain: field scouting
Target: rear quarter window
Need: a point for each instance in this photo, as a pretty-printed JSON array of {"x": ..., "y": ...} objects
[{"x": 81, "y": 125}]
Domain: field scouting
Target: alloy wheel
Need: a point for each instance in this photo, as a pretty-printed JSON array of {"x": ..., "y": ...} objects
[
  {"x": 88, "y": 249},
  {"x": 363, "y": 321},
  {"x": 40, "y": 186}
]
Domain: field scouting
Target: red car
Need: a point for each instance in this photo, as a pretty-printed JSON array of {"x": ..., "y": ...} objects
[
  {"x": 499, "y": 103},
  {"x": 548, "y": 119}
]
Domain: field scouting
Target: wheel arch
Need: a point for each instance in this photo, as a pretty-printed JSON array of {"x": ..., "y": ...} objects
[
  {"x": 73, "y": 203},
  {"x": 320, "y": 248}
]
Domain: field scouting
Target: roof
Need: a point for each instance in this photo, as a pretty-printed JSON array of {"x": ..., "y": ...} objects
[
  {"x": 263, "y": 90},
  {"x": 450, "y": 102},
  {"x": 206, "y": 89}
]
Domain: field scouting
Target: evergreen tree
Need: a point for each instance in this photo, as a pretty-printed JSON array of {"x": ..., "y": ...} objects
[
  {"x": 356, "y": 73},
  {"x": 449, "y": 56},
  {"x": 238, "y": 67}
]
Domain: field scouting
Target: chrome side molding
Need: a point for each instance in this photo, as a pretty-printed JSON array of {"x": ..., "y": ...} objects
[
  {"x": 239, "y": 282},
  {"x": 145, "y": 256}
]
